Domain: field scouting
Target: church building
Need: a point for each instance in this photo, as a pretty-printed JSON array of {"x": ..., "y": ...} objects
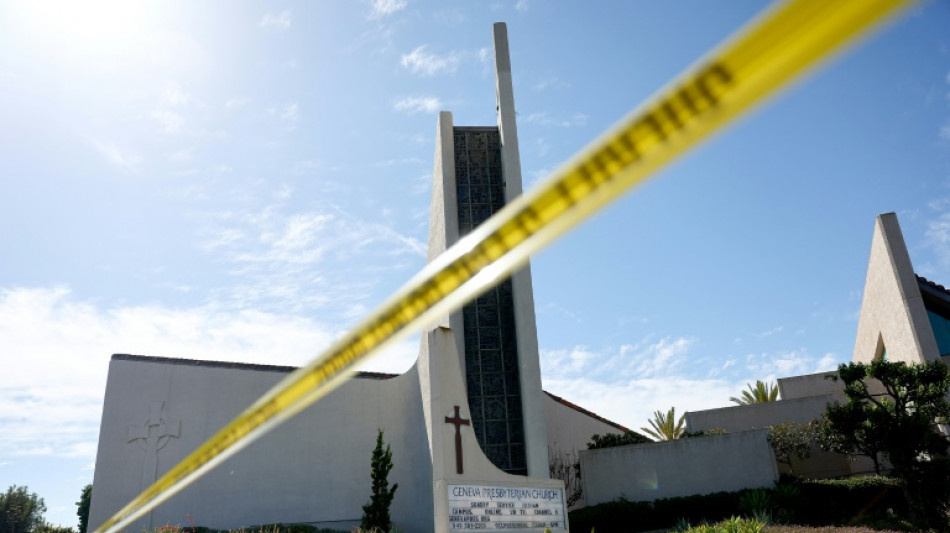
[{"x": 469, "y": 426}]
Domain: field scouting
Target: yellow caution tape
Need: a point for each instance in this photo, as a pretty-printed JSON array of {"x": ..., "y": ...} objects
[{"x": 772, "y": 51}]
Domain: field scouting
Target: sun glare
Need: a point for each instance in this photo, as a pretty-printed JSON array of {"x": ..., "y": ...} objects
[{"x": 85, "y": 26}]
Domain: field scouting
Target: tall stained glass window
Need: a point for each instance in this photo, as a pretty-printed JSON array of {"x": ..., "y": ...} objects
[{"x": 491, "y": 352}]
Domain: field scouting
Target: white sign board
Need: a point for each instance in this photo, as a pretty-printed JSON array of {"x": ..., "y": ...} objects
[{"x": 494, "y": 508}]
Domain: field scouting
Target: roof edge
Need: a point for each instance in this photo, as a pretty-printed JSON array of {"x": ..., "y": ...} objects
[
  {"x": 289, "y": 369},
  {"x": 232, "y": 365},
  {"x": 591, "y": 414}
]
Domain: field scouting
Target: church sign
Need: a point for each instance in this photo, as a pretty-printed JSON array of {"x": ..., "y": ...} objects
[{"x": 496, "y": 508}]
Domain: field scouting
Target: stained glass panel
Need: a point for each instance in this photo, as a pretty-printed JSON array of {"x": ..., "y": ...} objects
[{"x": 491, "y": 353}]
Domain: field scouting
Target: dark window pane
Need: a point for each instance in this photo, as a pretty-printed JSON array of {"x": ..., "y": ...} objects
[
  {"x": 512, "y": 386},
  {"x": 494, "y": 176},
  {"x": 509, "y": 358},
  {"x": 480, "y": 213},
  {"x": 474, "y": 384},
  {"x": 497, "y": 195},
  {"x": 471, "y": 337},
  {"x": 517, "y": 457},
  {"x": 514, "y": 407},
  {"x": 475, "y": 407},
  {"x": 489, "y": 339},
  {"x": 462, "y": 191},
  {"x": 477, "y": 176},
  {"x": 491, "y": 361},
  {"x": 516, "y": 431},
  {"x": 489, "y": 299},
  {"x": 487, "y": 318},
  {"x": 480, "y": 195},
  {"x": 499, "y": 456},
  {"x": 495, "y": 408},
  {"x": 493, "y": 384}
]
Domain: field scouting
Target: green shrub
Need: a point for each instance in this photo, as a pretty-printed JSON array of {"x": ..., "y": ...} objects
[
  {"x": 731, "y": 525},
  {"x": 50, "y": 528},
  {"x": 845, "y": 501},
  {"x": 866, "y": 500},
  {"x": 609, "y": 440},
  {"x": 756, "y": 501},
  {"x": 622, "y": 515}
]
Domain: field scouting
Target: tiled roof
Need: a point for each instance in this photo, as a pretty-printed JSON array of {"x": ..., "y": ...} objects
[
  {"x": 936, "y": 297},
  {"x": 288, "y": 369},
  {"x": 934, "y": 287}
]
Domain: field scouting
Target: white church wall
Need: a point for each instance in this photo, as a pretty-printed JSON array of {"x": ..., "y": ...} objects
[
  {"x": 761, "y": 415},
  {"x": 683, "y": 467},
  {"x": 569, "y": 430},
  {"x": 313, "y": 469},
  {"x": 820, "y": 464},
  {"x": 794, "y": 387}
]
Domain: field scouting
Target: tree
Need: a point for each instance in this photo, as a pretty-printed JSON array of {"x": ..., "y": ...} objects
[
  {"x": 566, "y": 466},
  {"x": 761, "y": 393},
  {"x": 791, "y": 440},
  {"x": 50, "y": 528},
  {"x": 665, "y": 426},
  {"x": 900, "y": 424},
  {"x": 82, "y": 507},
  {"x": 376, "y": 512},
  {"x": 609, "y": 440},
  {"x": 21, "y": 511}
]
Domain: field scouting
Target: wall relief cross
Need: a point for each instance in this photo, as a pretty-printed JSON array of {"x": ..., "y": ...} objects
[{"x": 152, "y": 434}]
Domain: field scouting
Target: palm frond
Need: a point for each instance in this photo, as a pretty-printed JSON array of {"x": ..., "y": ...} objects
[
  {"x": 665, "y": 426},
  {"x": 761, "y": 393}
]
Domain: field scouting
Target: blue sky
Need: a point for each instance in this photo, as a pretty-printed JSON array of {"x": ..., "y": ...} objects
[{"x": 242, "y": 182}]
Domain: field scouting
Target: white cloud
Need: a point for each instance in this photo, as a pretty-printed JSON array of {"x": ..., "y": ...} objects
[
  {"x": 123, "y": 160},
  {"x": 174, "y": 95},
  {"x": 937, "y": 237},
  {"x": 236, "y": 102},
  {"x": 182, "y": 156},
  {"x": 632, "y": 402},
  {"x": 420, "y": 61},
  {"x": 828, "y": 362},
  {"x": 418, "y": 104},
  {"x": 402, "y": 161},
  {"x": 449, "y": 17},
  {"x": 945, "y": 132},
  {"x": 384, "y": 8},
  {"x": 63, "y": 345},
  {"x": 301, "y": 261},
  {"x": 170, "y": 121},
  {"x": 550, "y": 82},
  {"x": 522, "y": 5},
  {"x": 535, "y": 176},
  {"x": 644, "y": 359},
  {"x": 544, "y": 118},
  {"x": 305, "y": 167},
  {"x": 422, "y": 184},
  {"x": 279, "y": 22},
  {"x": 769, "y": 366},
  {"x": 291, "y": 112}
]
